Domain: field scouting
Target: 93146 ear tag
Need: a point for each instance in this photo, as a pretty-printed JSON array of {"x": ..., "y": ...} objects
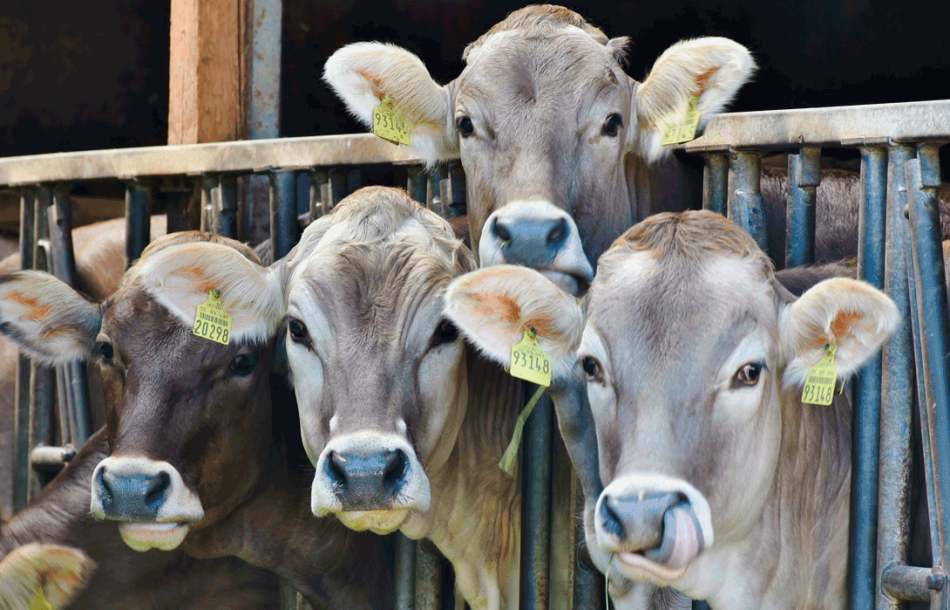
[
  {"x": 529, "y": 361},
  {"x": 821, "y": 379},
  {"x": 388, "y": 126},
  {"x": 212, "y": 322},
  {"x": 685, "y": 129}
]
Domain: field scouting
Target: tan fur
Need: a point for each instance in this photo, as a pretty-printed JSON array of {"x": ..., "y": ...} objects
[{"x": 58, "y": 572}]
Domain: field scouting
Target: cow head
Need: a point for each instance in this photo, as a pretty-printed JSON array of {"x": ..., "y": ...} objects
[
  {"x": 379, "y": 375},
  {"x": 184, "y": 414},
  {"x": 694, "y": 358},
  {"x": 552, "y": 134}
]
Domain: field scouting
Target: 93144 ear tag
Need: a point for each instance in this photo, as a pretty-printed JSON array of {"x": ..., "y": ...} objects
[
  {"x": 212, "y": 322},
  {"x": 388, "y": 126},
  {"x": 685, "y": 129},
  {"x": 821, "y": 379}
]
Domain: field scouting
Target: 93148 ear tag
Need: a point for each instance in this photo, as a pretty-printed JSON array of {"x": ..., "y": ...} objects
[
  {"x": 529, "y": 361},
  {"x": 685, "y": 129},
  {"x": 388, "y": 126},
  {"x": 212, "y": 322},
  {"x": 821, "y": 379}
]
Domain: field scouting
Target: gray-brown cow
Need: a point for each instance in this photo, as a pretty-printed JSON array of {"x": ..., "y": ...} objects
[{"x": 719, "y": 481}]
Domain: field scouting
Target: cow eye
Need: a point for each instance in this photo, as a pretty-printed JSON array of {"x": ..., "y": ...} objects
[
  {"x": 297, "y": 330},
  {"x": 104, "y": 348},
  {"x": 748, "y": 375},
  {"x": 612, "y": 125},
  {"x": 465, "y": 126},
  {"x": 591, "y": 367},
  {"x": 243, "y": 364},
  {"x": 445, "y": 332}
]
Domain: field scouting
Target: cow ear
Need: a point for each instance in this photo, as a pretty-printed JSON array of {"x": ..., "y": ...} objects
[
  {"x": 712, "y": 68},
  {"x": 59, "y": 573},
  {"x": 853, "y": 315},
  {"x": 493, "y": 307},
  {"x": 50, "y": 321},
  {"x": 364, "y": 73},
  {"x": 183, "y": 277}
]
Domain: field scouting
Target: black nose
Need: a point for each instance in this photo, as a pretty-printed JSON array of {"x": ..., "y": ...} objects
[
  {"x": 132, "y": 498},
  {"x": 367, "y": 482},
  {"x": 637, "y": 522},
  {"x": 534, "y": 243}
]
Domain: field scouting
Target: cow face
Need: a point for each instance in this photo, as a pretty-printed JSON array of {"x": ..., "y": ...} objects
[
  {"x": 379, "y": 375},
  {"x": 177, "y": 405},
  {"x": 694, "y": 358},
  {"x": 551, "y": 132}
]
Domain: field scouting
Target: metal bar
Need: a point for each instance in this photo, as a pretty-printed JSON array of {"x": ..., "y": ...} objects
[
  {"x": 318, "y": 178},
  {"x": 405, "y": 572},
  {"x": 433, "y": 191},
  {"x": 589, "y": 586},
  {"x": 428, "y": 587},
  {"x": 897, "y": 394},
  {"x": 21, "y": 425},
  {"x": 336, "y": 187},
  {"x": 42, "y": 378},
  {"x": 848, "y": 125},
  {"x": 457, "y": 201},
  {"x": 746, "y": 206},
  {"x": 52, "y": 458},
  {"x": 866, "y": 418},
  {"x": 923, "y": 177},
  {"x": 208, "y": 216},
  {"x": 417, "y": 184},
  {"x": 354, "y": 180},
  {"x": 226, "y": 206},
  {"x": 536, "y": 468},
  {"x": 138, "y": 203},
  {"x": 911, "y": 584},
  {"x": 283, "y": 212},
  {"x": 804, "y": 173},
  {"x": 716, "y": 183}
]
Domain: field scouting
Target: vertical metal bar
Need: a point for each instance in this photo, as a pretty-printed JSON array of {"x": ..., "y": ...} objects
[
  {"x": 318, "y": 178},
  {"x": 536, "y": 504},
  {"x": 589, "y": 586},
  {"x": 457, "y": 202},
  {"x": 405, "y": 572},
  {"x": 866, "y": 426},
  {"x": 897, "y": 395},
  {"x": 42, "y": 378},
  {"x": 226, "y": 206},
  {"x": 336, "y": 188},
  {"x": 138, "y": 203},
  {"x": 716, "y": 183},
  {"x": 700, "y": 605},
  {"x": 434, "y": 195},
  {"x": 428, "y": 593},
  {"x": 804, "y": 173},
  {"x": 74, "y": 380},
  {"x": 923, "y": 177},
  {"x": 21, "y": 426},
  {"x": 354, "y": 180},
  {"x": 208, "y": 215},
  {"x": 283, "y": 211},
  {"x": 417, "y": 184},
  {"x": 746, "y": 207}
]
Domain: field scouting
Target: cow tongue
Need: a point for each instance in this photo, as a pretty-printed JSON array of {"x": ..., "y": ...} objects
[{"x": 682, "y": 538}]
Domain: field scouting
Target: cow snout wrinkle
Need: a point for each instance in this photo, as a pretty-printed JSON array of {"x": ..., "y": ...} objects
[
  {"x": 132, "y": 498},
  {"x": 367, "y": 482},
  {"x": 637, "y": 522}
]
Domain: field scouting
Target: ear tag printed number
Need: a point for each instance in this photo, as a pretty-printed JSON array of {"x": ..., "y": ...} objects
[
  {"x": 529, "y": 361},
  {"x": 821, "y": 379},
  {"x": 685, "y": 130},
  {"x": 211, "y": 321},
  {"x": 388, "y": 126}
]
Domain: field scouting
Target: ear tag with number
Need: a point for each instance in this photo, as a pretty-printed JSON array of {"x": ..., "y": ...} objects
[
  {"x": 212, "y": 322},
  {"x": 685, "y": 129},
  {"x": 529, "y": 361},
  {"x": 388, "y": 126},
  {"x": 40, "y": 602},
  {"x": 820, "y": 382}
]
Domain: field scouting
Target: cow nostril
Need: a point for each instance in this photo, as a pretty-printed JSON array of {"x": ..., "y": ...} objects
[
  {"x": 104, "y": 485},
  {"x": 157, "y": 486},
  {"x": 557, "y": 234},
  {"x": 336, "y": 470},
  {"x": 612, "y": 524},
  {"x": 396, "y": 466},
  {"x": 501, "y": 231}
]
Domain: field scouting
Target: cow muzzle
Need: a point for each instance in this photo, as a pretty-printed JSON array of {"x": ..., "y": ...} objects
[
  {"x": 149, "y": 500},
  {"x": 539, "y": 235},
  {"x": 369, "y": 481},
  {"x": 654, "y": 531}
]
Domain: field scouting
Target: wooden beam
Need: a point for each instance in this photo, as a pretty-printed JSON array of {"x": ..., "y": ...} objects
[{"x": 208, "y": 88}]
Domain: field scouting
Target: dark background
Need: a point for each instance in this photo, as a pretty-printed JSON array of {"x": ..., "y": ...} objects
[{"x": 94, "y": 74}]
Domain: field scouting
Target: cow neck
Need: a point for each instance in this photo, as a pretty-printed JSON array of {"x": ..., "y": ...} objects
[{"x": 475, "y": 515}]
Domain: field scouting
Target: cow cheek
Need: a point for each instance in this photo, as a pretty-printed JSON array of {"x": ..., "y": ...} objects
[{"x": 443, "y": 393}]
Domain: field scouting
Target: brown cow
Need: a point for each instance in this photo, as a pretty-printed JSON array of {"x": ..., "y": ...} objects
[
  {"x": 720, "y": 482},
  {"x": 202, "y": 458}
]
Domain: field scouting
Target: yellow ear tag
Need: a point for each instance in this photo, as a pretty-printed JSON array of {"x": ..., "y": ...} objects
[
  {"x": 388, "y": 126},
  {"x": 684, "y": 130},
  {"x": 40, "y": 602},
  {"x": 820, "y": 382},
  {"x": 529, "y": 361},
  {"x": 211, "y": 321}
]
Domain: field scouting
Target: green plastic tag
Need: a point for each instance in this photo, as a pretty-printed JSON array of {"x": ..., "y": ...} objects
[
  {"x": 684, "y": 130},
  {"x": 507, "y": 463},
  {"x": 821, "y": 379},
  {"x": 388, "y": 126},
  {"x": 212, "y": 322}
]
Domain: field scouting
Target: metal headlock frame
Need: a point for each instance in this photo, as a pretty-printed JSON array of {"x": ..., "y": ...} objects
[{"x": 899, "y": 250}]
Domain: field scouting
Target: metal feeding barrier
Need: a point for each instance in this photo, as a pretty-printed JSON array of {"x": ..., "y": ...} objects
[{"x": 899, "y": 251}]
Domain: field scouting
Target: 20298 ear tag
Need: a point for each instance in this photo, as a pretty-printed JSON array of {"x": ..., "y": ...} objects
[{"x": 212, "y": 322}]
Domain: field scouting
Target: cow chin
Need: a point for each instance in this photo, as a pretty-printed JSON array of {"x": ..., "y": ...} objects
[
  {"x": 377, "y": 521},
  {"x": 146, "y": 536}
]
